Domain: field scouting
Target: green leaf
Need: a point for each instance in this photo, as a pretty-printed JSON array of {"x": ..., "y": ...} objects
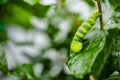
[
  {"x": 37, "y": 9},
  {"x": 19, "y": 12},
  {"x": 113, "y": 63},
  {"x": 63, "y": 1},
  {"x": 3, "y": 33},
  {"x": 90, "y": 2},
  {"x": 3, "y": 61},
  {"x": 101, "y": 68},
  {"x": 31, "y": 2},
  {"x": 52, "y": 31},
  {"x": 3, "y": 1},
  {"x": 10, "y": 15},
  {"x": 81, "y": 64},
  {"x": 115, "y": 4},
  {"x": 25, "y": 72}
]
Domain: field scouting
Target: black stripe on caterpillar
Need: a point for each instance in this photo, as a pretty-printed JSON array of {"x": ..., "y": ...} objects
[{"x": 76, "y": 44}]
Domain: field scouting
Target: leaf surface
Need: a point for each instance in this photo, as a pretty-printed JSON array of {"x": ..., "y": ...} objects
[{"x": 81, "y": 64}]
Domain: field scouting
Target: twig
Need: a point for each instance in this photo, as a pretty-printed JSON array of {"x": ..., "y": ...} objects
[{"x": 100, "y": 11}]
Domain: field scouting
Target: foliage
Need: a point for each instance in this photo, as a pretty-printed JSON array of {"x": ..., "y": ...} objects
[
  {"x": 26, "y": 24},
  {"x": 3, "y": 62},
  {"x": 82, "y": 63}
]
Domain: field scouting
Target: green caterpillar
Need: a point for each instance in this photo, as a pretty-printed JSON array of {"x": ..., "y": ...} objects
[{"x": 76, "y": 44}]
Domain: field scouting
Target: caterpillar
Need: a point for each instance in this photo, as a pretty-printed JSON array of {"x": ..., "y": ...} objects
[{"x": 76, "y": 44}]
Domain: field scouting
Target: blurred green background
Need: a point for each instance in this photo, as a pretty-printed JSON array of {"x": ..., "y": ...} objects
[{"x": 35, "y": 35}]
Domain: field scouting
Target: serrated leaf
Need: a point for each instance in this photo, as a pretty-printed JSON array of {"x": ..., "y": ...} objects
[
  {"x": 81, "y": 64},
  {"x": 25, "y": 71},
  {"x": 3, "y": 61}
]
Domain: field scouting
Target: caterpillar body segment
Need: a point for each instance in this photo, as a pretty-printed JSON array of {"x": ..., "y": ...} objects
[
  {"x": 89, "y": 20},
  {"x": 86, "y": 25},
  {"x": 83, "y": 30},
  {"x": 76, "y": 44}
]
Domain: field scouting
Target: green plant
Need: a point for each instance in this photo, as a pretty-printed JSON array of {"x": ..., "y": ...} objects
[
  {"x": 84, "y": 59},
  {"x": 37, "y": 38}
]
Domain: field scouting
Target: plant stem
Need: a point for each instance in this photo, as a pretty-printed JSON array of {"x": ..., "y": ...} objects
[{"x": 100, "y": 11}]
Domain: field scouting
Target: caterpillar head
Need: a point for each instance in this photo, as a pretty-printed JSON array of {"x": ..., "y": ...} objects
[{"x": 76, "y": 46}]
